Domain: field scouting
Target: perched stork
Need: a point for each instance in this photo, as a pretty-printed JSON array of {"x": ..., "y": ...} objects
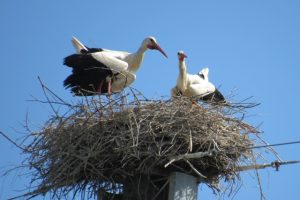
[
  {"x": 100, "y": 71},
  {"x": 195, "y": 85}
]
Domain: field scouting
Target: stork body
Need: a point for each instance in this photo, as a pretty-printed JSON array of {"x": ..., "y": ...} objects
[
  {"x": 100, "y": 71},
  {"x": 195, "y": 85}
]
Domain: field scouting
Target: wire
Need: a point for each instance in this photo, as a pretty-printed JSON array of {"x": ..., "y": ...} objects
[
  {"x": 276, "y": 164},
  {"x": 273, "y": 145}
]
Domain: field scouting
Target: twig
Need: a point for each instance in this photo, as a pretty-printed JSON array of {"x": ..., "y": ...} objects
[
  {"x": 161, "y": 189},
  {"x": 55, "y": 95},
  {"x": 13, "y": 142},
  {"x": 190, "y": 141},
  {"x": 262, "y": 196},
  {"x": 190, "y": 156},
  {"x": 44, "y": 88},
  {"x": 195, "y": 170}
]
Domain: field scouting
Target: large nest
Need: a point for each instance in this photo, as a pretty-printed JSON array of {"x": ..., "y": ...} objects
[{"x": 101, "y": 144}]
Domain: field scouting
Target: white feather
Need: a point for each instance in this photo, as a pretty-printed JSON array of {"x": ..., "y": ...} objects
[
  {"x": 201, "y": 89},
  {"x": 192, "y": 85},
  {"x": 123, "y": 64},
  {"x": 122, "y": 80},
  {"x": 204, "y": 72},
  {"x": 78, "y": 45},
  {"x": 115, "y": 64}
]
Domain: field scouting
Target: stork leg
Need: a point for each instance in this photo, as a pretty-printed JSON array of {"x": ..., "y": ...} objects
[
  {"x": 100, "y": 99},
  {"x": 109, "y": 88},
  {"x": 100, "y": 88},
  {"x": 109, "y": 94},
  {"x": 194, "y": 102}
]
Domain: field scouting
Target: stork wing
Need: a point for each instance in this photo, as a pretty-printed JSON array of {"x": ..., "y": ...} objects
[
  {"x": 201, "y": 89},
  {"x": 204, "y": 73},
  {"x": 122, "y": 80},
  {"x": 216, "y": 96},
  {"x": 115, "y": 64},
  {"x": 78, "y": 45}
]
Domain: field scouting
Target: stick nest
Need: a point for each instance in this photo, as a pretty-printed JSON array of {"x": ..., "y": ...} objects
[{"x": 100, "y": 144}]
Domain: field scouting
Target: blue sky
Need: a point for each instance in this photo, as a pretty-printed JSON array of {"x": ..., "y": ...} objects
[{"x": 251, "y": 47}]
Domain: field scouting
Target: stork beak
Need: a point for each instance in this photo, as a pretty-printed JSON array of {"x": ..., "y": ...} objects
[{"x": 157, "y": 47}]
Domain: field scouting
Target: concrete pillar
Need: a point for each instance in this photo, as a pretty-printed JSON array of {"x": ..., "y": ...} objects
[{"x": 182, "y": 187}]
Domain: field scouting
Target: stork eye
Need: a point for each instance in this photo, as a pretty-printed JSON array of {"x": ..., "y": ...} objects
[{"x": 151, "y": 39}]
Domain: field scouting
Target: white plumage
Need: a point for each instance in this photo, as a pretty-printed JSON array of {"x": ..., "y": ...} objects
[
  {"x": 99, "y": 71},
  {"x": 195, "y": 85}
]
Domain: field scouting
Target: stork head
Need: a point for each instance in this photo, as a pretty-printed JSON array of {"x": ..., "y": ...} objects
[
  {"x": 181, "y": 55},
  {"x": 150, "y": 43}
]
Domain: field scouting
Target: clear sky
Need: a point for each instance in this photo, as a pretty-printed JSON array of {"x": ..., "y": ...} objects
[{"x": 252, "y": 48}]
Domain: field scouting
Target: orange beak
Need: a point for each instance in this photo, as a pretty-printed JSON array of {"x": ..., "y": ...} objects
[{"x": 157, "y": 47}]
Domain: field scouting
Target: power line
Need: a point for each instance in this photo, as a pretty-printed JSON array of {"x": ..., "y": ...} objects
[
  {"x": 273, "y": 145},
  {"x": 276, "y": 164}
]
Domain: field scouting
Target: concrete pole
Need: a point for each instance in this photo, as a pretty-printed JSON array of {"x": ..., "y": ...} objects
[{"x": 182, "y": 187}]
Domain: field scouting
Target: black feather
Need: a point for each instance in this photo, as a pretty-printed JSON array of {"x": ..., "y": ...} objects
[
  {"x": 216, "y": 97},
  {"x": 88, "y": 75},
  {"x": 90, "y": 50}
]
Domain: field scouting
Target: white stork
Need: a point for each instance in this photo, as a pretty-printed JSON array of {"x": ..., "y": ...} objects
[
  {"x": 100, "y": 71},
  {"x": 195, "y": 85}
]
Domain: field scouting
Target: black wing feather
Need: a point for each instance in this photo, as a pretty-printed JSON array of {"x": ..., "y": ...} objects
[
  {"x": 216, "y": 97},
  {"x": 90, "y": 50},
  {"x": 87, "y": 76}
]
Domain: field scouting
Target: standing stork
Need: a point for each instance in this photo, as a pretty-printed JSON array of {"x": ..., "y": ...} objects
[
  {"x": 195, "y": 85},
  {"x": 100, "y": 71}
]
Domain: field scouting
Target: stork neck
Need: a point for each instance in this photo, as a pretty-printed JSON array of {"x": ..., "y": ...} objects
[
  {"x": 182, "y": 69},
  {"x": 182, "y": 75},
  {"x": 137, "y": 59},
  {"x": 142, "y": 49}
]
